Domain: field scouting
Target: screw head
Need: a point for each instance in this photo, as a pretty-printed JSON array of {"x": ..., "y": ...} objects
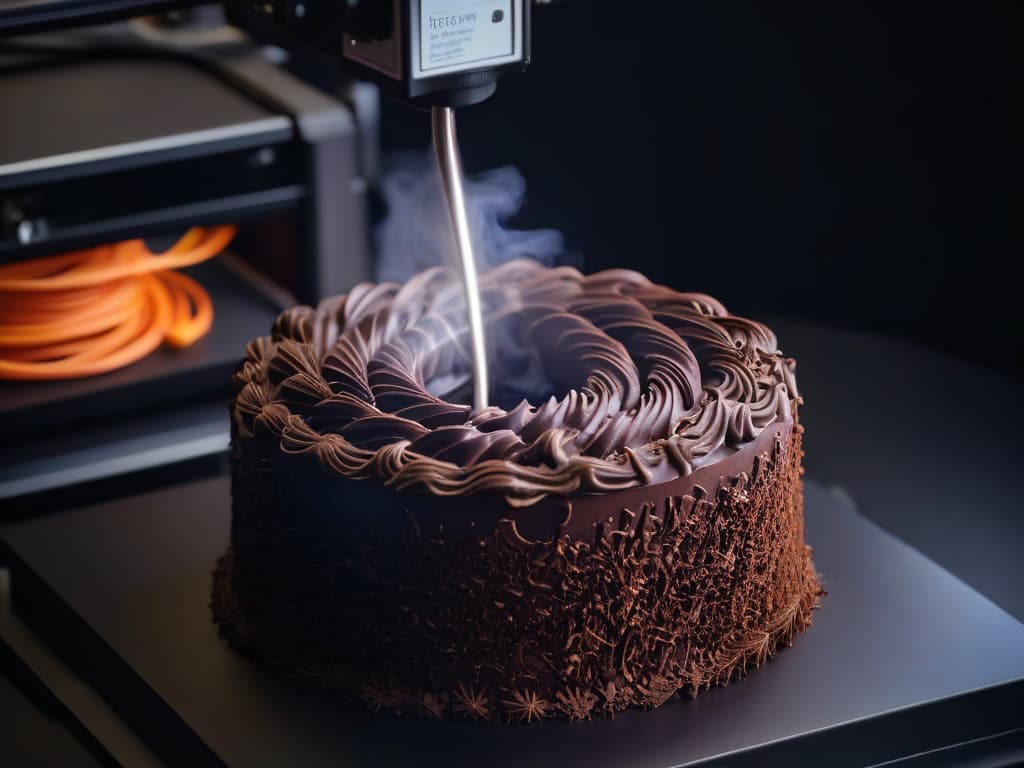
[{"x": 25, "y": 231}]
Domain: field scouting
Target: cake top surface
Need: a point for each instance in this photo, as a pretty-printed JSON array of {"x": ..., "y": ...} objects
[{"x": 599, "y": 382}]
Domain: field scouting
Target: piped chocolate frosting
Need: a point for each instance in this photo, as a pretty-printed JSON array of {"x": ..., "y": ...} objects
[{"x": 609, "y": 382}]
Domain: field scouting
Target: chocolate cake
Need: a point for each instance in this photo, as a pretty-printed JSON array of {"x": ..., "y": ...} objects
[{"x": 625, "y": 522}]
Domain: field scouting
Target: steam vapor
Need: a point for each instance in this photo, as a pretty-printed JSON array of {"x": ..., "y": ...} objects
[{"x": 417, "y": 231}]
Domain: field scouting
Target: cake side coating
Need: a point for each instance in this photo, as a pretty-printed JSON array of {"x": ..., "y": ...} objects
[{"x": 560, "y": 559}]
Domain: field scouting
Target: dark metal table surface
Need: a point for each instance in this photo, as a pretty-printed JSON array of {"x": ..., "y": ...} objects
[
  {"x": 926, "y": 445},
  {"x": 122, "y": 589},
  {"x": 922, "y": 443}
]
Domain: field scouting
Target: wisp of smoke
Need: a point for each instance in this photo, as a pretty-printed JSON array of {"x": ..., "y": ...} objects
[{"x": 417, "y": 231}]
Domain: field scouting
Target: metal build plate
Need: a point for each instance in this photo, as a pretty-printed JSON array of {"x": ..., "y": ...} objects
[{"x": 902, "y": 658}]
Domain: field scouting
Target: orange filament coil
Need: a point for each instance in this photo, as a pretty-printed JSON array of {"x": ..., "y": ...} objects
[{"x": 91, "y": 311}]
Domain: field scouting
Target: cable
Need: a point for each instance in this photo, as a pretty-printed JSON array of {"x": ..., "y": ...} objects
[{"x": 91, "y": 311}]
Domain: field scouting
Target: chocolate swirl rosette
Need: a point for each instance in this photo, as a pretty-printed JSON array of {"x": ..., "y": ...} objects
[{"x": 622, "y": 523}]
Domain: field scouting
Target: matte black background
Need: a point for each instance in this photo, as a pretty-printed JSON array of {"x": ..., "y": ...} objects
[{"x": 847, "y": 162}]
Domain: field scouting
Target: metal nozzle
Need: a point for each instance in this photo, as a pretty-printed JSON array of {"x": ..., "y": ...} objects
[{"x": 449, "y": 163}]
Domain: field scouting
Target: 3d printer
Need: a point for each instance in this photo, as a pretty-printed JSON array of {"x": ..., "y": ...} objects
[{"x": 142, "y": 130}]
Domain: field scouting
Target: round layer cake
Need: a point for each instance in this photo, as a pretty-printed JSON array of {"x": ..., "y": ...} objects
[{"x": 625, "y": 522}]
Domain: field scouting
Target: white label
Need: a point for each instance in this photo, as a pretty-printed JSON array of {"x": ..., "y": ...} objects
[{"x": 457, "y": 35}]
